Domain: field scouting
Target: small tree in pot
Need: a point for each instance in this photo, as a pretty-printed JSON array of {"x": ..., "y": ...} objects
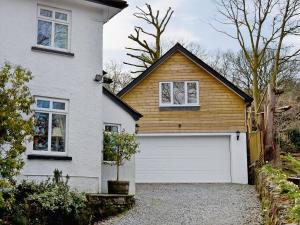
[{"x": 119, "y": 147}]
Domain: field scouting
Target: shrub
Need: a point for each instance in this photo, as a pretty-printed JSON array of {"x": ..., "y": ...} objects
[
  {"x": 119, "y": 147},
  {"x": 291, "y": 165},
  {"x": 39, "y": 203},
  {"x": 54, "y": 199},
  {"x": 16, "y": 122},
  {"x": 284, "y": 188},
  {"x": 294, "y": 136}
]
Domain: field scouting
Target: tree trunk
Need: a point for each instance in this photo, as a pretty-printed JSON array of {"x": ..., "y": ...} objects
[
  {"x": 118, "y": 171},
  {"x": 256, "y": 98},
  {"x": 118, "y": 164},
  {"x": 271, "y": 152}
]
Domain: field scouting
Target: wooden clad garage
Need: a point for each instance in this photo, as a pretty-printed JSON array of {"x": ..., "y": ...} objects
[{"x": 194, "y": 122}]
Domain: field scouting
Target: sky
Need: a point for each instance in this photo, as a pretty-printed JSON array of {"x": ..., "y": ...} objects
[{"x": 190, "y": 22}]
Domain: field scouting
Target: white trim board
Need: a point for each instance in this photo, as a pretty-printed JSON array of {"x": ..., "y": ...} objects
[{"x": 186, "y": 134}]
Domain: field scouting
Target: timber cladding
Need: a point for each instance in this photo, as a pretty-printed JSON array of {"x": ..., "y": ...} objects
[{"x": 221, "y": 109}]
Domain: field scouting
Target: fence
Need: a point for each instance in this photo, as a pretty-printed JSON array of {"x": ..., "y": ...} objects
[{"x": 256, "y": 146}]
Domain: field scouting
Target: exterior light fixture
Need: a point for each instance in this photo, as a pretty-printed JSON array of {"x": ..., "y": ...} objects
[
  {"x": 238, "y": 135},
  {"x": 137, "y": 128},
  {"x": 103, "y": 80}
]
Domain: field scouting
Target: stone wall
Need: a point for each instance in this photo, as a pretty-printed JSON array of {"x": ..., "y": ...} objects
[
  {"x": 105, "y": 205},
  {"x": 275, "y": 206}
]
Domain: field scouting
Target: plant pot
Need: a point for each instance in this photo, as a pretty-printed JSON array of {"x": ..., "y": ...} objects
[{"x": 118, "y": 187}]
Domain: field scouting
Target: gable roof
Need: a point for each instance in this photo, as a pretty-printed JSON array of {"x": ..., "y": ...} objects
[
  {"x": 136, "y": 115},
  {"x": 179, "y": 48},
  {"x": 112, "y": 3}
]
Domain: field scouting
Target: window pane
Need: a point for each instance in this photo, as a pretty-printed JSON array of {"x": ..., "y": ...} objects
[
  {"x": 61, "y": 36},
  {"x": 59, "y": 105},
  {"x": 43, "y": 104},
  {"x": 192, "y": 92},
  {"x": 61, "y": 16},
  {"x": 44, "y": 33},
  {"x": 46, "y": 13},
  {"x": 166, "y": 93},
  {"x": 178, "y": 93},
  {"x": 58, "y": 135},
  {"x": 40, "y": 142},
  {"x": 112, "y": 128}
]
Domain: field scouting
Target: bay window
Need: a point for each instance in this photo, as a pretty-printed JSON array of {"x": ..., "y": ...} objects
[
  {"x": 179, "y": 93},
  {"x": 53, "y": 28},
  {"x": 50, "y": 125}
]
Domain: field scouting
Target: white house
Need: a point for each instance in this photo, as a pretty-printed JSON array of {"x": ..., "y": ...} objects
[{"x": 61, "y": 43}]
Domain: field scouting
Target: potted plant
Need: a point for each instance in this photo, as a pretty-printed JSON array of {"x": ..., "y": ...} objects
[{"x": 119, "y": 147}]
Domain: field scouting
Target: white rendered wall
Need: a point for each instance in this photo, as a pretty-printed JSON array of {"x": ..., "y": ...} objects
[
  {"x": 64, "y": 77},
  {"x": 112, "y": 113},
  {"x": 239, "y": 164}
]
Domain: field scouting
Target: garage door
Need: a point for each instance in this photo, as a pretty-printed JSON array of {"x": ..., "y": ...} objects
[{"x": 183, "y": 159}]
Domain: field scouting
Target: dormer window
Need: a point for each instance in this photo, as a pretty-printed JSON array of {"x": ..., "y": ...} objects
[
  {"x": 179, "y": 93},
  {"x": 53, "y": 29}
]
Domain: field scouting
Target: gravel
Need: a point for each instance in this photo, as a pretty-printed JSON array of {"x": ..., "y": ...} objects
[{"x": 192, "y": 204}]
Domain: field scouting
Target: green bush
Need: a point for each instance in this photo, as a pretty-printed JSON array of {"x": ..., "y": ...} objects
[
  {"x": 291, "y": 165},
  {"x": 39, "y": 203},
  {"x": 54, "y": 199},
  {"x": 285, "y": 188},
  {"x": 294, "y": 136},
  {"x": 119, "y": 147}
]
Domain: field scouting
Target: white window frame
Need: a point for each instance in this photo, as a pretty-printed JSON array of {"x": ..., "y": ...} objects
[
  {"x": 54, "y": 21},
  {"x": 186, "y": 104},
  {"x": 119, "y": 130},
  {"x": 52, "y": 111}
]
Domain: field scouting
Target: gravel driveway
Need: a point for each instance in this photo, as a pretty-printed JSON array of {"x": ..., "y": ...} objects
[{"x": 192, "y": 204}]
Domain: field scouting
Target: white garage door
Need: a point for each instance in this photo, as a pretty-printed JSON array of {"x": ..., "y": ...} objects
[{"x": 183, "y": 159}]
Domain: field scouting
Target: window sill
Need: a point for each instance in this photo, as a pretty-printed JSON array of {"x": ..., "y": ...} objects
[
  {"x": 111, "y": 163},
  {"x": 53, "y": 51},
  {"x": 179, "y": 108},
  {"x": 49, "y": 157}
]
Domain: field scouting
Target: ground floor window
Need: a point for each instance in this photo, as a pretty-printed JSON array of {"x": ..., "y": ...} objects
[
  {"x": 50, "y": 125},
  {"x": 110, "y": 128}
]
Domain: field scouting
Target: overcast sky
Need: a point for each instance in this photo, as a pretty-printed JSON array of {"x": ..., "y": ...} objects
[{"x": 191, "y": 22}]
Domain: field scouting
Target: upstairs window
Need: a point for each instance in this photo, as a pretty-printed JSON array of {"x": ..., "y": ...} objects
[
  {"x": 53, "y": 28},
  {"x": 50, "y": 125},
  {"x": 179, "y": 93}
]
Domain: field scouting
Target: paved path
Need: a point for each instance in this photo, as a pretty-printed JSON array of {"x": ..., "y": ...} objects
[{"x": 192, "y": 204}]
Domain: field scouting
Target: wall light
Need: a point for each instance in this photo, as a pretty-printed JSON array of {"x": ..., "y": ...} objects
[
  {"x": 137, "y": 128},
  {"x": 238, "y": 135}
]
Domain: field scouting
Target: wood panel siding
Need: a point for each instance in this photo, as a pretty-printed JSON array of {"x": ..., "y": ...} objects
[{"x": 221, "y": 109}]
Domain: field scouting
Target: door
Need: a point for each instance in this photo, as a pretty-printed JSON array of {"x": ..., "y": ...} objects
[{"x": 183, "y": 159}]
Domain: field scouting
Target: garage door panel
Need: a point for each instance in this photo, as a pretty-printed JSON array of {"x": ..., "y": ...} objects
[
  {"x": 196, "y": 164},
  {"x": 183, "y": 159},
  {"x": 183, "y": 177}
]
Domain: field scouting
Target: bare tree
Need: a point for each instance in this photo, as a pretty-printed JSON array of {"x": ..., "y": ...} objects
[
  {"x": 260, "y": 25},
  {"x": 147, "y": 53},
  {"x": 120, "y": 77},
  {"x": 193, "y": 47},
  {"x": 235, "y": 67}
]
